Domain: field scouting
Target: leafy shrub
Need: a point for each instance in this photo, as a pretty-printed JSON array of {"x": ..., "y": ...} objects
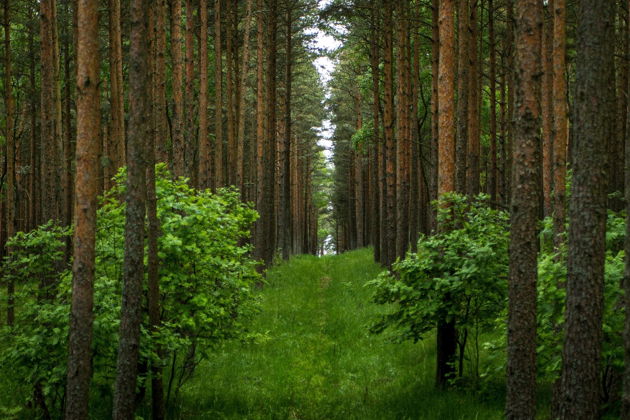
[
  {"x": 459, "y": 274},
  {"x": 206, "y": 286},
  {"x": 551, "y": 301}
]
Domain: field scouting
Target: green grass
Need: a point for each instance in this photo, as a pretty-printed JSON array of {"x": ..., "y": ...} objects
[{"x": 316, "y": 359}]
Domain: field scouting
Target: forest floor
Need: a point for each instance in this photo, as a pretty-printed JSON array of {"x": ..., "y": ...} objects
[{"x": 315, "y": 359}]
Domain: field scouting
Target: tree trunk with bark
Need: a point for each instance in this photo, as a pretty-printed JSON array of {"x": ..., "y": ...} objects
[
  {"x": 133, "y": 266},
  {"x": 203, "y": 176},
  {"x": 219, "y": 175},
  {"x": 177, "y": 89},
  {"x": 463, "y": 93},
  {"x": 390, "y": 143},
  {"x": 587, "y": 211},
  {"x": 446, "y": 333},
  {"x": 524, "y": 211},
  {"x": 9, "y": 102},
  {"x": 547, "y": 109},
  {"x": 560, "y": 120},
  {"x": 86, "y": 189},
  {"x": 116, "y": 145}
]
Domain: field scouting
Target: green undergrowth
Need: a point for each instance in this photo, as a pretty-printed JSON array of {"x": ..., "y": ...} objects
[{"x": 315, "y": 359}]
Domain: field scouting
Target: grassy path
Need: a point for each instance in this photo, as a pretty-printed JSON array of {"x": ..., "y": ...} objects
[{"x": 316, "y": 360}]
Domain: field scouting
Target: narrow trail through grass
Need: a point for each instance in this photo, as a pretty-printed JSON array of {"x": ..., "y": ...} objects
[{"x": 316, "y": 360}]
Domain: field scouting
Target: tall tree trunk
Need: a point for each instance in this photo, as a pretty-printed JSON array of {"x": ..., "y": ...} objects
[
  {"x": 463, "y": 90},
  {"x": 268, "y": 208},
  {"x": 284, "y": 230},
  {"x": 260, "y": 117},
  {"x": 493, "y": 175},
  {"x": 116, "y": 147},
  {"x": 435, "y": 115},
  {"x": 204, "y": 175},
  {"x": 547, "y": 108},
  {"x": 219, "y": 175},
  {"x": 9, "y": 103},
  {"x": 133, "y": 268},
  {"x": 35, "y": 152},
  {"x": 390, "y": 144},
  {"x": 587, "y": 212},
  {"x": 510, "y": 89},
  {"x": 403, "y": 143},
  {"x": 240, "y": 138},
  {"x": 159, "y": 82},
  {"x": 560, "y": 119},
  {"x": 230, "y": 76},
  {"x": 50, "y": 123},
  {"x": 86, "y": 189},
  {"x": 68, "y": 135},
  {"x": 189, "y": 100},
  {"x": 153, "y": 267},
  {"x": 625, "y": 400},
  {"x": 178, "y": 88},
  {"x": 377, "y": 180},
  {"x": 474, "y": 140},
  {"x": 524, "y": 211},
  {"x": 446, "y": 333},
  {"x": 417, "y": 202}
]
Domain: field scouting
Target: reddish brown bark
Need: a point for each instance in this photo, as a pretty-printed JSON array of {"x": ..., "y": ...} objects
[
  {"x": 435, "y": 119},
  {"x": 474, "y": 140},
  {"x": 204, "y": 175},
  {"x": 230, "y": 76},
  {"x": 86, "y": 189},
  {"x": 493, "y": 174},
  {"x": 189, "y": 100},
  {"x": 284, "y": 145},
  {"x": 240, "y": 138},
  {"x": 524, "y": 211},
  {"x": 446, "y": 333},
  {"x": 219, "y": 175},
  {"x": 177, "y": 89},
  {"x": 463, "y": 95}
]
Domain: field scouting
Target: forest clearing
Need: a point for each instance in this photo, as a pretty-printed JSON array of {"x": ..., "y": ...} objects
[{"x": 315, "y": 209}]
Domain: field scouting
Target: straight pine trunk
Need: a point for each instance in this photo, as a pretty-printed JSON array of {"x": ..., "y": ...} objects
[
  {"x": 177, "y": 88},
  {"x": 86, "y": 190},
  {"x": 116, "y": 144},
  {"x": 524, "y": 211},
  {"x": 560, "y": 120},
  {"x": 580, "y": 381},
  {"x": 203, "y": 176},
  {"x": 133, "y": 266},
  {"x": 446, "y": 333}
]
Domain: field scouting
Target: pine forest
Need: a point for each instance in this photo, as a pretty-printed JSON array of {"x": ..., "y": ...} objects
[{"x": 315, "y": 209}]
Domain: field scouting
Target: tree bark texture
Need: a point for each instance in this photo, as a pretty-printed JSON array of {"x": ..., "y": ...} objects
[
  {"x": 86, "y": 190},
  {"x": 580, "y": 381},
  {"x": 524, "y": 211},
  {"x": 133, "y": 266}
]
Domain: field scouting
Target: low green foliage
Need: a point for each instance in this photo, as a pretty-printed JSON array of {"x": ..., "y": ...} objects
[
  {"x": 206, "y": 280},
  {"x": 315, "y": 360},
  {"x": 458, "y": 274}
]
